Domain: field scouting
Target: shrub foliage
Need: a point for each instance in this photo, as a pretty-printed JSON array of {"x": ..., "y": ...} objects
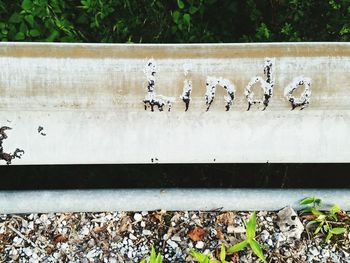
[{"x": 180, "y": 21}]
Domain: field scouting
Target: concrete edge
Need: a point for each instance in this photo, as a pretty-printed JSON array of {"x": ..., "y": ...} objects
[{"x": 46, "y": 201}]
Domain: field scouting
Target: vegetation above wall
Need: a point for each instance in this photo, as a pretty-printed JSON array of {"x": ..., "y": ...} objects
[{"x": 176, "y": 21}]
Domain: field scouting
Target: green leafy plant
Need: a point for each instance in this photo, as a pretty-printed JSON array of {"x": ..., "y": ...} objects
[
  {"x": 180, "y": 21},
  {"x": 311, "y": 203},
  {"x": 250, "y": 240},
  {"x": 202, "y": 258},
  {"x": 154, "y": 258},
  {"x": 326, "y": 223}
]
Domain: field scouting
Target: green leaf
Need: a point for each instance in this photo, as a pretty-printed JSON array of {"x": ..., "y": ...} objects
[
  {"x": 2, "y": 25},
  {"x": 176, "y": 16},
  {"x": 307, "y": 200},
  {"x": 222, "y": 253},
  {"x": 318, "y": 201},
  {"x": 27, "y": 4},
  {"x": 316, "y": 212},
  {"x": 153, "y": 255},
  {"x": 159, "y": 258},
  {"x": 34, "y": 32},
  {"x": 337, "y": 230},
  {"x": 251, "y": 226},
  {"x": 335, "y": 209},
  {"x": 193, "y": 10},
  {"x": 238, "y": 247},
  {"x": 19, "y": 36},
  {"x": 23, "y": 28},
  {"x": 200, "y": 257},
  {"x": 143, "y": 261},
  {"x": 52, "y": 36},
  {"x": 318, "y": 228},
  {"x": 187, "y": 19},
  {"x": 30, "y": 20},
  {"x": 257, "y": 249},
  {"x": 329, "y": 236},
  {"x": 180, "y": 4},
  {"x": 15, "y": 18}
]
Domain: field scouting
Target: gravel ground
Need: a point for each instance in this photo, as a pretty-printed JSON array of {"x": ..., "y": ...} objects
[{"x": 128, "y": 237}]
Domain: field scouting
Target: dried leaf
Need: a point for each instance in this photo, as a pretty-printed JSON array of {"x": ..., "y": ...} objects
[
  {"x": 235, "y": 257},
  {"x": 49, "y": 249},
  {"x": 159, "y": 216},
  {"x": 196, "y": 234},
  {"x": 100, "y": 229},
  {"x": 219, "y": 234},
  {"x": 59, "y": 238},
  {"x": 124, "y": 224},
  {"x": 342, "y": 214},
  {"x": 225, "y": 218},
  {"x": 309, "y": 216}
]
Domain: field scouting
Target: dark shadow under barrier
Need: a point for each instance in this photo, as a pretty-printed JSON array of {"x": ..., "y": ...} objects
[{"x": 267, "y": 175}]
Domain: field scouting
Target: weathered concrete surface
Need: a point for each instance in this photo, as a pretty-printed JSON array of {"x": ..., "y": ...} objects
[
  {"x": 88, "y": 98},
  {"x": 168, "y": 199}
]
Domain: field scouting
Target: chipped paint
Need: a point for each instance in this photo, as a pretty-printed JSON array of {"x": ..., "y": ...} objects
[
  {"x": 79, "y": 92},
  {"x": 211, "y": 84},
  {"x": 266, "y": 85},
  {"x": 8, "y": 157},
  {"x": 186, "y": 93},
  {"x": 40, "y": 131},
  {"x": 304, "y": 99},
  {"x": 152, "y": 99}
]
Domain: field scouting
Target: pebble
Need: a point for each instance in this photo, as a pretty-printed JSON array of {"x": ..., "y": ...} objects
[
  {"x": 146, "y": 232},
  {"x": 135, "y": 242},
  {"x": 314, "y": 251},
  {"x": 91, "y": 243},
  {"x": 200, "y": 245},
  {"x": 264, "y": 235},
  {"x": 239, "y": 230},
  {"x": 17, "y": 241},
  {"x": 137, "y": 217},
  {"x": 176, "y": 238},
  {"x": 85, "y": 231},
  {"x": 230, "y": 229},
  {"x": 172, "y": 243},
  {"x": 289, "y": 223},
  {"x": 27, "y": 251}
]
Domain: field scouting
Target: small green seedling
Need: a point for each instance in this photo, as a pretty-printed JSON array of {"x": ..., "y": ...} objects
[
  {"x": 154, "y": 258},
  {"x": 202, "y": 258},
  {"x": 250, "y": 240},
  {"x": 324, "y": 221},
  {"x": 310, "y": 202}
]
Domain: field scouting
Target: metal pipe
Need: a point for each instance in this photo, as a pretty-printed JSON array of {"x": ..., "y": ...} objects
[{"x": 45, "y": 201}]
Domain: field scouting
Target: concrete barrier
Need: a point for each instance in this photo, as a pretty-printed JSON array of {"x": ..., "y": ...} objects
[{"x": 92, "y": 103}]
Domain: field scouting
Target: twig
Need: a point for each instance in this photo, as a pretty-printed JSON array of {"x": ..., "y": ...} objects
[{"x": 21, "y": 235}]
